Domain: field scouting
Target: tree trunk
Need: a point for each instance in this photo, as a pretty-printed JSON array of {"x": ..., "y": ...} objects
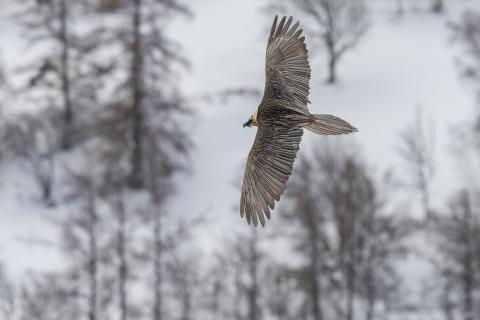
[
  {"x": 47, "y": 192},
  {"x": 93, "y": 256},
  {"x": 136, "y": 174},
  {"x": 447, "y": 304},
  {"x": 468, "y": 271},
  {"x": 370, "y": 281},
  {"x": 315, "y": 285},
  {"x": 186, "y": 306},
  {"x": 122, "y": 264},
  {"x": 332, "y": 65},
  {"x": 426, "y": 203},
  {"x": 66, "y": 142},
  {"x": 157, "y": 265},
  {"x": 237, "y": 307},
  {"x": 253, "y": 294},
  {"x": 371, "y": 292},
  {"x": 351, "y": 272},
  {"x": 400, "y": 9},
  {"x": 437, "y": 6}
]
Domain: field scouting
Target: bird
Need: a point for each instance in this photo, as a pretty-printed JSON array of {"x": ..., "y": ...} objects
[{"x": 280, "y": 119}]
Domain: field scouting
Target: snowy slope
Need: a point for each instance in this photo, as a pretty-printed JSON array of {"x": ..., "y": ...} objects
[{"x": 401, "y": 64}]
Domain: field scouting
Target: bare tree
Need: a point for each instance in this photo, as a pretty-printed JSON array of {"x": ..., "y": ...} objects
[
  {"x": 310, "y": 235},
  {"x": 244, "y": 262},
  {"x": 282, "y": 292},
  {"x": 85, "y": 241},
  {"x": 184, "y": 274},
  {"x": 416, "y": 147},
  {"x": 7, "y": 296},
  {"x": 253, "y": 291},
  {"x": 173, "y": 263},
  {"x": 157, "y": 263},
  {"x": 400, "y": 7},
  {"x": 165, "y": 146},
  {"x": 361, "y": 221},
  {"x": 345, "y": 186},
  {"x": 147, "y": 96},
  {"x": 384, "y": 237},
  {"x": 438, "y": 6},
  {"x": 340, "y": 24},
  {"x": 467, "y": 33},
  {"x": 52, "y": 76},
  {"x": 48, "y": 297},
  {"x": 108, "y": 182},
  {"x": 216, "y": 300},
  {"x": 33, "y": 139},
  {"x": 2, "y": 96},
  {"x": 115, "y": 193},
  {"x": 340, "y": 227},
  {"x": 458, "y": 241}
]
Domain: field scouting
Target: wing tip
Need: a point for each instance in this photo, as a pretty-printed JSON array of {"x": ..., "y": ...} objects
[
  {"x": 283, "y": 28},
  {"x": 274, "y": 27}
]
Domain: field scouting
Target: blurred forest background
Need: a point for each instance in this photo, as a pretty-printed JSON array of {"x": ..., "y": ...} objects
[{"x": 122, "y": 154}]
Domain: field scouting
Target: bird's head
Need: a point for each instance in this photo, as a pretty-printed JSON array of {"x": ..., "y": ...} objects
[{"x": 252, "y": 121}]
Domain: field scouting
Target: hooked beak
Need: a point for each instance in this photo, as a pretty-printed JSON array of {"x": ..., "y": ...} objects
[{"x": 248, "y": 123}]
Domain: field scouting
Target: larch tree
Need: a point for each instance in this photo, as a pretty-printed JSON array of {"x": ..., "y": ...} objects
[
  {"x": 243, "y": 290},
  {"x": 114, "y": 192},
  {"x": 282, "y": 297},
  {"x": 458, "y": 244},
  {"x": 216, "y": 300},
  {"x": 2, "y": 125},
  {"x": 182, "y": 274},
  {"x": 416, "y": 147},
  {"x": 33, "y": 139},
  {"x": 344, "y": 187},
  {"x": 248, "y": 255},
  {"x": 145, "y": 99},
  {"x": 85, "y": 241},
  {"x": 438, "y": 6},
  {"x": 163, "y": 160},
  {"x": 466, "y": 32},
  {"x": 456, "y": 230},
  {"x": 53, "y": 74},
  {"x": 307, "y": 219},
  {"x": 400, "y": 7},
  {"x": 369, "y": 241},
  {"x": 7, "y": 296},
  {"x": 352, "y": 247},
  {"x": 50, "y": 296},
  {"x": 143, "y": 123}
]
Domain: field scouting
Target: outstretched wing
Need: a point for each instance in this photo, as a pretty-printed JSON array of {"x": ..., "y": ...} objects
[
  {"x": 281, "y": 117},
  {"x": 269, "y": 165},
  {"x": 287, "y": 69}
]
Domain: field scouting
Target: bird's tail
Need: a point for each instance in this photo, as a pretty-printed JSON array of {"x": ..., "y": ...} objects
[{"x": 326, "y": 124}]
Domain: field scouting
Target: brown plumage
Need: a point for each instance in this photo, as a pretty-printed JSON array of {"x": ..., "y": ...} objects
[{"x": 281, "y": 117}]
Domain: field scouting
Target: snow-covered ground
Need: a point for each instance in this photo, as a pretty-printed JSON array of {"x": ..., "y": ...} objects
[{"x": 402, "y": 64}]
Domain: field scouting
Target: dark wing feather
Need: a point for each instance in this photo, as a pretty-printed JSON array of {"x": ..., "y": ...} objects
[
  {"x": 281, "y": 116},
  {"x": 268, "y": 167},
  {"x": 287, "y": 69}
]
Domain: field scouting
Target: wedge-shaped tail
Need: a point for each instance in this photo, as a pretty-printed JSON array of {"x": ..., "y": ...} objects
[{"x": 326, "y": 124}]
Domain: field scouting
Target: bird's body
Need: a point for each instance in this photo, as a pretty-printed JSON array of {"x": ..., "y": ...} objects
[{"x": 280, "y": 118}]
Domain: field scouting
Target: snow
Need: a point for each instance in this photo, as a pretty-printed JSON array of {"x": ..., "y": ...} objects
[
  {"x": 402, "y": 64},
  {"x": 22, "y": 220}
]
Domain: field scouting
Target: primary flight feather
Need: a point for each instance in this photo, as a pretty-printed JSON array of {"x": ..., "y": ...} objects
[{"x": 280, "y": 118}]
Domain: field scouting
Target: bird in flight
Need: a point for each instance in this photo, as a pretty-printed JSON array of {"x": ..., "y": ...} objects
[{"x": 281, "y": 117}]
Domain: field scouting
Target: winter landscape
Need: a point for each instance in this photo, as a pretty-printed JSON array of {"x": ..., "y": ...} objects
[{"x": 122, "y": 156}]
